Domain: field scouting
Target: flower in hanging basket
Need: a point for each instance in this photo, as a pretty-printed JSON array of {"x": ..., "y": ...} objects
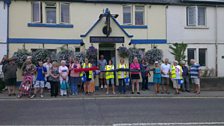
[
  {"x": 123, "y": 52},
  {"x": 153, "y": 55},
  {"x": 91, "y": 54},
  {"x": 21, "y": 56},
  {"x": 40, "y": 55},
  {"x": 134, "y": 52}
]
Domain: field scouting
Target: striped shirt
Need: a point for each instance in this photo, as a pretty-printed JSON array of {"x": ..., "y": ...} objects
[{"x": 194, "y": 71}]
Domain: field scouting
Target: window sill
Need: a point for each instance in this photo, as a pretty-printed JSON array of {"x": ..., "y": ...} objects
[
  {"x": 134, "y": 26},
  {"x": 196, "y": 27},
  {"x": 50, "y": 25}
]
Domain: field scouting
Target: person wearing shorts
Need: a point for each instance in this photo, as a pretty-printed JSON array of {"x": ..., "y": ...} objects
[
  {"x": 195, "y": 74},
  {"x": 176, "y": 74},
  {"x": 165, "y": 69},
  {"x": 40, "y": 80},
  {"x": 110, "y": 76},
  {"x": 157, "y": 77},
  {"x": 10, "y": 76},
  {"x": 102, "y": 64}
]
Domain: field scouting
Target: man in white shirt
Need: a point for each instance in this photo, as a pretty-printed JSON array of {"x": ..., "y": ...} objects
[
  {"x": 48, "y": 66},
  {"x": 165, "y": 69}
]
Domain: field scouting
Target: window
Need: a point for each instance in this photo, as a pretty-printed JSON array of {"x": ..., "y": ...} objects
[
  {"x": 50, "y": 12},
  {"x": 201, "y": 15},
  {"x": 139, "y": 15},
  {"x": 196, "y": 16},
  {"x": 64, "y": 12},
  {"x": 202, "y": 57},
  {"x": 77, "y": 49},
  {"x": 36, "y": 12},
  {"x": 127, "y": 15},
  {"x": 190, "y": 54}
]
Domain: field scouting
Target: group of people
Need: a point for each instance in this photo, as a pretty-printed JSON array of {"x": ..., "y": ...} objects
[{"x": 65, "y": 77}]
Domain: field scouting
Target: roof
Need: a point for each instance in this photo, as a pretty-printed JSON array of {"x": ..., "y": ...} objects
[
  {"x": 160, "y": 2},
  {"x": 165, "y": 2}
]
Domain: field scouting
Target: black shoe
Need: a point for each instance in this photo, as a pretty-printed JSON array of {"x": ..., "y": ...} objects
[
  {"x": 9, "y": 94},
  {"x": 138, "y": 92},
  {"x": 132, "y": 92}
]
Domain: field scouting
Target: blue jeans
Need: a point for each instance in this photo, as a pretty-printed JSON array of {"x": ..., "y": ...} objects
[
  {"x": 74, "y": 84},
  {"x": 122, "y": 86}
]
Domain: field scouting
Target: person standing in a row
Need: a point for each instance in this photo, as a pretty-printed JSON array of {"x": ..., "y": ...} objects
[
  {"x": 10, "y": 76},
  {"x": 88, "y": 74},
  {"x": 145, "y": 74},
  {"x": 122, "y": 75},
  {"x": 102, "y": 64},
  {"x": 135, "y": 76},
  {"x": 110, "y": 76}
]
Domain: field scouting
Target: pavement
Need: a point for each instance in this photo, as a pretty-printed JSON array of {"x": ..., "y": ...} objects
[{"x": 148, "y": 93}]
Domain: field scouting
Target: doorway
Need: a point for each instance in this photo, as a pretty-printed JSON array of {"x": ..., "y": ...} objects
[{"x": 108, "y": 50}]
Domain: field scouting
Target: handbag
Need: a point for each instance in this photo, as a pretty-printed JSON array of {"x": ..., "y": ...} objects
[
  {"x": 84, "y": 78},
  {"x": 180, "y": 81},
  {"x": 127, "y": 81}
]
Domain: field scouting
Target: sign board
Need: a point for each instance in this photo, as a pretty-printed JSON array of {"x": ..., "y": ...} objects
[{"x": 103, "y": 39}]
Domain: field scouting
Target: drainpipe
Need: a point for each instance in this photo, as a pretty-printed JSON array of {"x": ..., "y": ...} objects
[
  {"x": 216, "y": 41},
  {"x": 8, "y": 2}
]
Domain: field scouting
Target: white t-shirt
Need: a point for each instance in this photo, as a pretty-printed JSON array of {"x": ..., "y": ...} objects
[
  {"x": 165, "y": 68},
  {"x": 48, "y": 67},
  {"x": 178, "y": 71},
  {"x": 63, "y": 70}
]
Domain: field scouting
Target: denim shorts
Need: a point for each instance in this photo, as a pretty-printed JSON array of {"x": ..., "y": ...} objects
[{"x": 110, "y": 81}]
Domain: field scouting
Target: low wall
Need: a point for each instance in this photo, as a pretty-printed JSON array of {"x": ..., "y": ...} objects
[{"x": 212, "y": 84}]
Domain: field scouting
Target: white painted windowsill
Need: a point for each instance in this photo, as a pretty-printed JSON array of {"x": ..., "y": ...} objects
[{"x": 196, "y": 27}]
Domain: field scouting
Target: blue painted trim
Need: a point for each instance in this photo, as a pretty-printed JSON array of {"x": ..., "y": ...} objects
[
  {"x": 45, "y": 41},
  {"x": 134, "y": 26},
  {"x": 94, "y": 25},
  {"x": 148, "y": 41},
  {"x": 50, "y": 25},
  {"x": 130, "y": 36}
]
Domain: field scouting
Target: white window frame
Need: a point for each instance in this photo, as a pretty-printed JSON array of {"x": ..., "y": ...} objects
[
  {"x": 55, "y": 11},
  {"x": 65, "y": 3},
  {"x": 140, "y": 11},
  {"x": 196, "y": 17},
  {"x": 131, "y": 11},
  {"x": 40, "y": 11}
]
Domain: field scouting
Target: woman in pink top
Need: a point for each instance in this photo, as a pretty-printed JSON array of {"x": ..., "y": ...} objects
[
  {"x": 74, "y": 77},
  {"x": 135, "y": 76}
]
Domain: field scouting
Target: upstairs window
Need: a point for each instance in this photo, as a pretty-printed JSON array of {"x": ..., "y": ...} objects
[
  {"x": 36, "y": 12},
  {"x": 65, "y": 12},
  {"x": 196, "y": 16},
  {"x": 139, "y": 15},
  {"x": 50, "y": 12},
  {"x": 127, "y": 14}
]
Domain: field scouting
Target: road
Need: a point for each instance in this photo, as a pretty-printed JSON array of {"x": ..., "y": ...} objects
[{"x": 111, "y": 111}]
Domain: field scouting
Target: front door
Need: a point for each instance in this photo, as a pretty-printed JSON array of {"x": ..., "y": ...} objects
[{"x": 108, "y": 50}]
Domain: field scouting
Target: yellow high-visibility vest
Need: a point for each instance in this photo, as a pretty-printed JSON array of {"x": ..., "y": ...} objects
[
  {"x": 90, "y": 72},
  {"x": 173, "y": 72},
  {"x": 109, "y": 75},
  {"x": 119, "y": 73}
]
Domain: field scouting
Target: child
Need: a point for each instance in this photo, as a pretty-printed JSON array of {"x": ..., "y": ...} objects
[
  {"x": 63, "y": 71},
  {"x": 110, "y": 76},
  {"x": 40, "y": 80},
  {"x": 157, "y": 77}
]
